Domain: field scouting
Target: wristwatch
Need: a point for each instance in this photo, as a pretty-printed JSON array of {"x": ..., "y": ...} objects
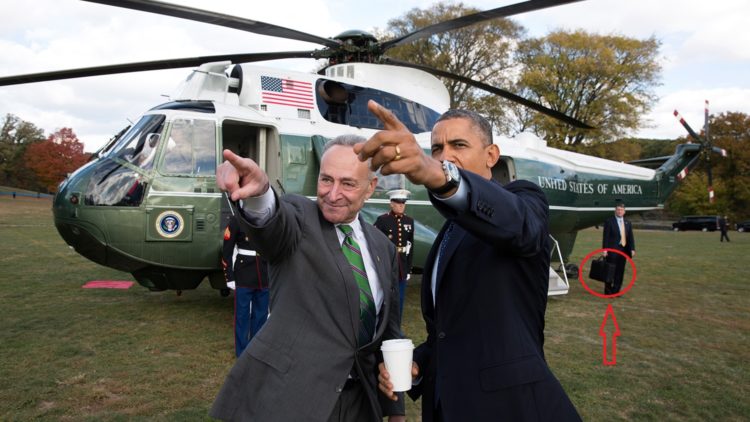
[{"x": 452, "y": 178}]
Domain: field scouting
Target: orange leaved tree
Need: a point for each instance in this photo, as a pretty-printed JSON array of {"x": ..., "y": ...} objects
[{"x": 52, "y": 159}]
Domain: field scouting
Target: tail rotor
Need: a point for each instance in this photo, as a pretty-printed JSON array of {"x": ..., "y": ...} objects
[{"x": 706, "y": 146}]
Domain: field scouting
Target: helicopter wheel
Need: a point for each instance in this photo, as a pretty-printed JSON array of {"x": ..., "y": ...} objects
[
  {"x": 571, "y": 270},
  {"x": 224, "y": 292}
]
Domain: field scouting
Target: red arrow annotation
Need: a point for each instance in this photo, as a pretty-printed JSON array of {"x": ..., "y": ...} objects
[{"x": 613, "y": 341}]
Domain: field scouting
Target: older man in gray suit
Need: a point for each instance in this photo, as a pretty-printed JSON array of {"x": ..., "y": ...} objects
[{"x": 316, "y": 357}]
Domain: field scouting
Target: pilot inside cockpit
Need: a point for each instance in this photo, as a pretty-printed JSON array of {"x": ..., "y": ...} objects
[{"x": 179, "y": 155}]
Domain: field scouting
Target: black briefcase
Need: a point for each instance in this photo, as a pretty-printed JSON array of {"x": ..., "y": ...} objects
[{"x": 601, "y": 270}]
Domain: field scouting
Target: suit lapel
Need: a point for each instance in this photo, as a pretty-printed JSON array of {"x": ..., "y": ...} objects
[{"x": 456, "y": 236}]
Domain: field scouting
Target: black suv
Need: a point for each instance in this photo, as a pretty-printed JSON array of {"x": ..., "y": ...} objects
[
  {"x": 706, "y": 223},
  {"x": 743, "y": 226}
]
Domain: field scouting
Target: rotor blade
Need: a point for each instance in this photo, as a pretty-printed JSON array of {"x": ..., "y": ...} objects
[
  {"x": 154, "y": 65},
  {"x": 705, "y": 124},
  {"x": 491, "y": 89},
  {"x": 219, "y": 19},
  {"x": 708, "y": 155},
  {"x": 687, "y": 127},
  {"x": 463, "y": 21}
]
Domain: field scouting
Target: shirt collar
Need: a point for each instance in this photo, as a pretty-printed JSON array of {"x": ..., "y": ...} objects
[{"x": 355, "y": 225}]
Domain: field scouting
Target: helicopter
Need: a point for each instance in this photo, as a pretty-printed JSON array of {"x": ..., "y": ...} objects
[{"x": 147, "y": 202}]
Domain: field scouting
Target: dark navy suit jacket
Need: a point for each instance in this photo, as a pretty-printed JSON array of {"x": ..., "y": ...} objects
[
  {"x": 483, "y": 358},
  {"x": 611, "y": 235}
]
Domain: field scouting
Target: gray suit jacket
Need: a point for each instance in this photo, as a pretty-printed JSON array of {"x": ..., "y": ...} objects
[{"x": 297, "y": 364}]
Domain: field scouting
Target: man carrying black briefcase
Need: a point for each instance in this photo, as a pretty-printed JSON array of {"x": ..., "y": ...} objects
[
  {"x": 618, "y": 235},
  {"x": 601, "y": 270}
]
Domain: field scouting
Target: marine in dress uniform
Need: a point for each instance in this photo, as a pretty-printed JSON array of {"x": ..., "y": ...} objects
[
  {"x": 247, "y": 274},
  {"x": 399, "y": 228}
]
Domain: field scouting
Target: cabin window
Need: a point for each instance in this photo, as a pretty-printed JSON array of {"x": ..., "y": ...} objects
[
  {"x": 347, "y": 104},
  {"x": 190, "y": 148},
  {"x": 138, "y": 145}
]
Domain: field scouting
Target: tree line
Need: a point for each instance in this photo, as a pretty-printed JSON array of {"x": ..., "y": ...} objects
[
  {"x": 606, "y": 81},
  {"x": 30, "y": 160}
]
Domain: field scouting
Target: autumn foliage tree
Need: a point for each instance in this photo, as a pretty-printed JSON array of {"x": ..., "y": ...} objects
[
  {"x": 16, "y": 136},
  {"x": 606, "y": 81},
  {"x": 52, "y": 159}
]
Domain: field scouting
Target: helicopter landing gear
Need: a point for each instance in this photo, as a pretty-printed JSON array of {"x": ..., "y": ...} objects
[
  {"x": 571, "y": 270},
  {"x": 224, "y": 292}
]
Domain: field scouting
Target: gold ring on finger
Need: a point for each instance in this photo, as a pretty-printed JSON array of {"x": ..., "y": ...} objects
[{"x": 398, "y": 154}]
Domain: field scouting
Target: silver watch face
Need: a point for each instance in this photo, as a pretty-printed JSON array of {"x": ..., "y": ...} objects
[{"x": 451, "y": 171}]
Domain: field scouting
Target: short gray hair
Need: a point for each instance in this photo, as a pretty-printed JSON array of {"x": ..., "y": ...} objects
[
  {"x": 344, "y": 140},
  {"x": 349, "y": 140}
]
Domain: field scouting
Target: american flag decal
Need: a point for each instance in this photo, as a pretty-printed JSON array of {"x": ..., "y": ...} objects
[{"x": 287, "y": 92}]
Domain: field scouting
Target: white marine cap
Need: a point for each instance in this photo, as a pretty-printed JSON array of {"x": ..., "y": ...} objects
[{"x": 399, "y": 195}]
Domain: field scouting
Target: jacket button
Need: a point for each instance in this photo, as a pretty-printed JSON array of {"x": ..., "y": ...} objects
[
  {"x": 441, "y": 335},
  {"x": 339, "y": 389}
]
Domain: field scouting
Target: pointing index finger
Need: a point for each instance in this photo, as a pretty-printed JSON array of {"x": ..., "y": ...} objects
[{"x": 390, "y": 121}]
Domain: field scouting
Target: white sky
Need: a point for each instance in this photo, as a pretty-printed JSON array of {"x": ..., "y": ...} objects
[{"x": 705, "y": 51}]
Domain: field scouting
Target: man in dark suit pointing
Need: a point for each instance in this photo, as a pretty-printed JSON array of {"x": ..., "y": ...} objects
[
  {"x": 618, "y": 235},
  {"x": 484, "y": 287}
]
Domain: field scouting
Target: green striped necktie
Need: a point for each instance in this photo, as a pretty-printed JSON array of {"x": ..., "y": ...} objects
[{"x": 353, "y": 254}]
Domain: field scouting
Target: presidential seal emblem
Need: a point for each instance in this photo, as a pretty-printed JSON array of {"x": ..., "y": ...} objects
[{"x": 169, "y": 224}]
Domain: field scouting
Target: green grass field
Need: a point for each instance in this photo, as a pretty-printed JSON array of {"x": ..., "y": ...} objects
[{"x": 68, "y": 353}]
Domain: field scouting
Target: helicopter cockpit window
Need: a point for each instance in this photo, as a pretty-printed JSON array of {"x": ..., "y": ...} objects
[
  {"x": 114, "y": 184},
  {"x": 138, "y": 145},
  {"x": 347, "y": 104},
  {"x": 191, "y": 148}
]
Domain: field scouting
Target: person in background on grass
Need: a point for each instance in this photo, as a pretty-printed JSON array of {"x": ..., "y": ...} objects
[
  {"x": 399, "y": 227},
  {"x": 723, "y": 223},
  {"x": 618, "y": 235},
  {"x": 247, "y": 274}
]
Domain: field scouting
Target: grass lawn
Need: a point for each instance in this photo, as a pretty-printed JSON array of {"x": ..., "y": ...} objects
[{"x": 68, "y": 353}]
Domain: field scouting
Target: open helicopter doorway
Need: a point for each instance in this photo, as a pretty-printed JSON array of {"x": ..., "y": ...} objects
[
  {"x": 260, "y": 144},
  {"x": 250, "y": 141}
]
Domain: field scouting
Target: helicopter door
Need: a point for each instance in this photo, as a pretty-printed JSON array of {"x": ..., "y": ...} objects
[
  {"x": 504, "y": 171},
  {"x": 250, "y": 141}
]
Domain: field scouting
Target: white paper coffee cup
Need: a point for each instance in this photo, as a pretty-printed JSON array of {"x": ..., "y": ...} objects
[{"x": 397, "y": 356}]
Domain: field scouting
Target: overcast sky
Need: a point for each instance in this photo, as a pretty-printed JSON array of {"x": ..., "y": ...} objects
[{"x": 705, "y": 53}]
